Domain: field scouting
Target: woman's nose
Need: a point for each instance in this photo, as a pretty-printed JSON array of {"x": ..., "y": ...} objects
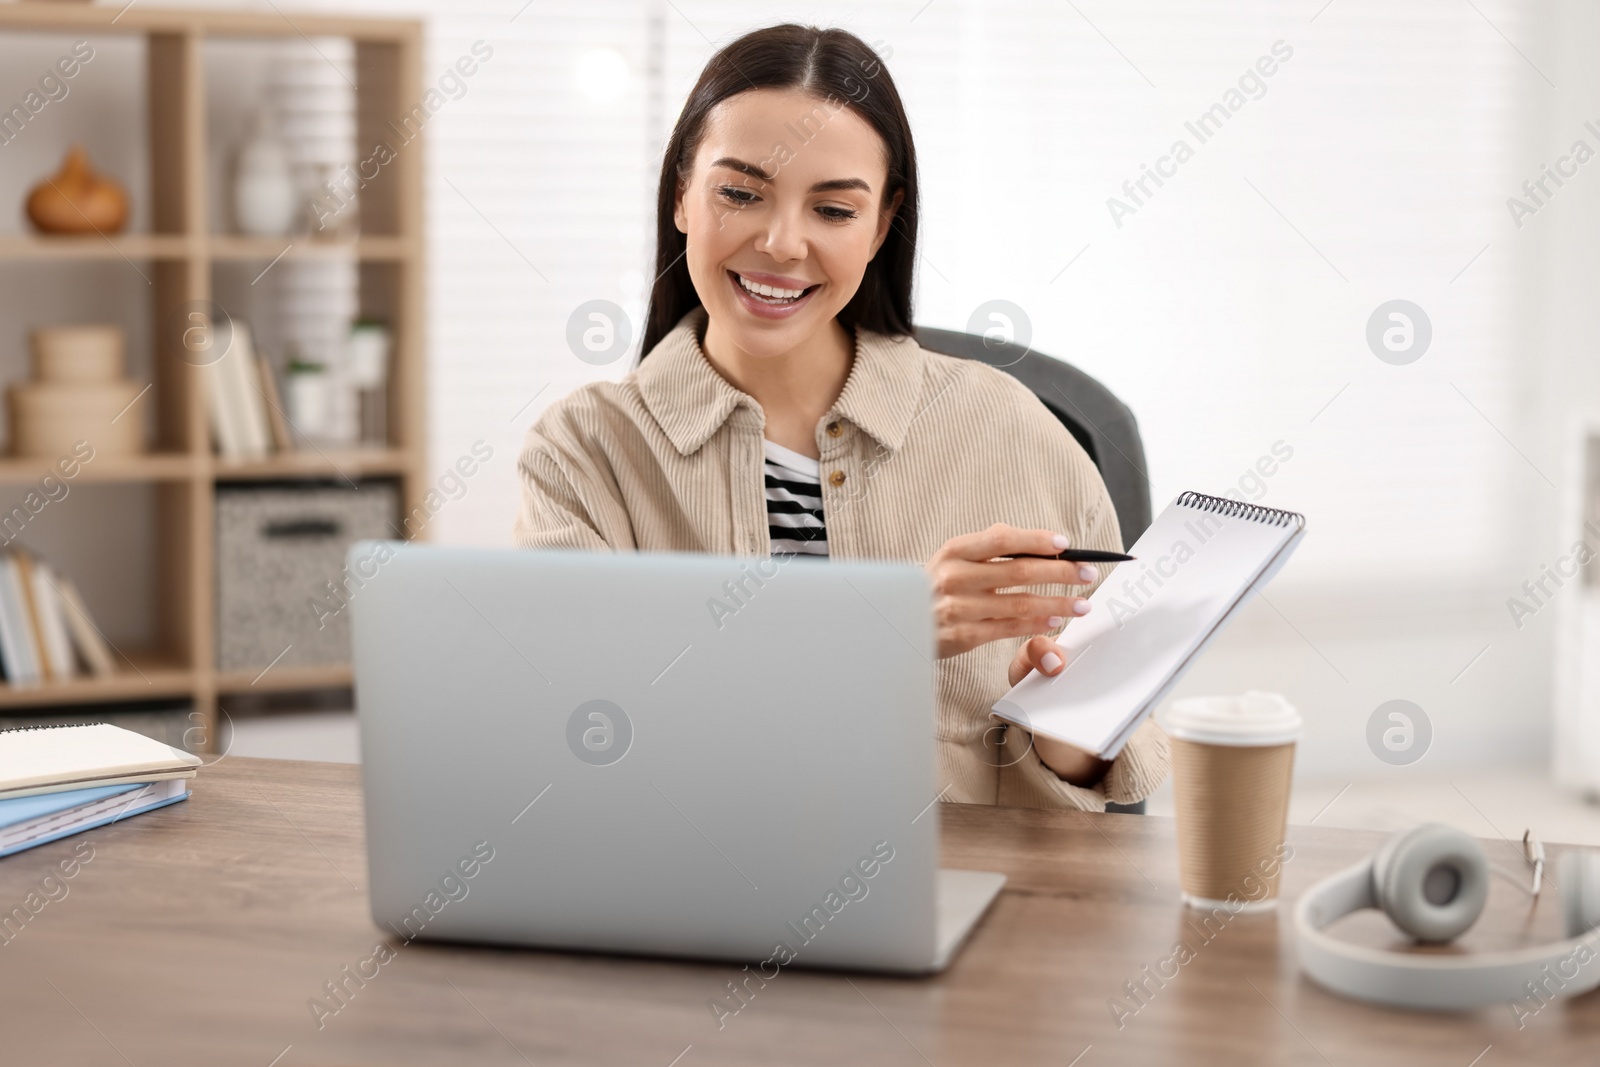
[{"x": 782, "y": 239}]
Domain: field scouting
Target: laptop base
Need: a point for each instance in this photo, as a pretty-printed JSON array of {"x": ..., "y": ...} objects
[{"x": 961, "y": 899}]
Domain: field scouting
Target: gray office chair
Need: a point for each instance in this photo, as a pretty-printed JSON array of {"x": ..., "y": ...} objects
[{"x": 1102, "y": 424}]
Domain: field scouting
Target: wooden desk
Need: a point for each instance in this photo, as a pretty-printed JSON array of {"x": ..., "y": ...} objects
[{"x": 198, "y": 934}]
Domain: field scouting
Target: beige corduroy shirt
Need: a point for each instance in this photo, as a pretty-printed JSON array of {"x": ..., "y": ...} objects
[{"x": 918, "y": 448}]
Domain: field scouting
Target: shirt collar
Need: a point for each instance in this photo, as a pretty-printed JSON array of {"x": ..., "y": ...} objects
[{"x": 691, "y": 401}]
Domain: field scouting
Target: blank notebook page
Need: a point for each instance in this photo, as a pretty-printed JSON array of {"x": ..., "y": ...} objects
[{"x": 1197, "y": 562}]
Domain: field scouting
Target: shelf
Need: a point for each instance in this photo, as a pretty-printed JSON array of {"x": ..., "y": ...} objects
[
  {"x": 135, "y": 19},
  {"x": 125, "y": 246},
  {"x": 229, "y": 248},
  {"x": 221, "y": 247},
  {"x": 150, "y": 467},
  {"x": 303, "y": 463},
  {"x": 149, "y": 676},
  {"x": 285, "y": 679}
]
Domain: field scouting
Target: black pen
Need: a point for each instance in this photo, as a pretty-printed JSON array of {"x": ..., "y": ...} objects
[{"x": 1076, "y": 555}]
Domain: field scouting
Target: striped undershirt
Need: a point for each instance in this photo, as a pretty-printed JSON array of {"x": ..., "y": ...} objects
[{"x": 794, "y": 502}]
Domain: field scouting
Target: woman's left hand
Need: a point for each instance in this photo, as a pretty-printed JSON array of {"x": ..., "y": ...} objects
[
  {"x": 1038, "y": 653},
  {"x": 1073, "y": 765}
]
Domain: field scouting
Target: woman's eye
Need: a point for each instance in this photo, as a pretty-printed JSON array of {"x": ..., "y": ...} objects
[
  {"x": 836, "y": 214},
  {"x": 736, "y": 195}
]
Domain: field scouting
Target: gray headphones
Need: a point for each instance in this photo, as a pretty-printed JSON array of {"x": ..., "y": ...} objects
[{"x": 1432, "y": 882}]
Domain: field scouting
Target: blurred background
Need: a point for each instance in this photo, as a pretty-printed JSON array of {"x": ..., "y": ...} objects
[{"x": 1364, "y": 289}]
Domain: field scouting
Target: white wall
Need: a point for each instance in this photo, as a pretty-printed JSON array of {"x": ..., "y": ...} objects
[
  {"x": 1561, "y": 286},
  {"x": 1228, "y": 311}
]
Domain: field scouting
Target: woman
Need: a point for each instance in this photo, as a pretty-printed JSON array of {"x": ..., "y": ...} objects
[{"x": 781, "y": 405}]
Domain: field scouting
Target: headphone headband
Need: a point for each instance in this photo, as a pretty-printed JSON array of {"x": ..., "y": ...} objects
[{"x": 1415, "y": 980}]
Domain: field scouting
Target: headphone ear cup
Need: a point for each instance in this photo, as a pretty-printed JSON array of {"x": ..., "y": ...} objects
[
  {"x": 1380, "y": 859},
  {"x": 1431, "y": 881},
  {"x": 1580, "y": 891}
]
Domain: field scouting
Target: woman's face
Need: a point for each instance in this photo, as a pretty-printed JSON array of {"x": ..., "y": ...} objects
[{"x": 782, "y": 215}]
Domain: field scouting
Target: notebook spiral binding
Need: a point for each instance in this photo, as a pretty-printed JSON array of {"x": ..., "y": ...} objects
[
  {"x": 48, "y": 726},
  {"x": 1239, "y": 509}
]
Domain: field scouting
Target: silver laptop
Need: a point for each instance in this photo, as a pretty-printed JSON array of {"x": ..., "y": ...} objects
[{"x": 655, "y": 753}]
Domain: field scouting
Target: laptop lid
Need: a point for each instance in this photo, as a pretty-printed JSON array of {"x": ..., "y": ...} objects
[{"x": 660, "y": 753}]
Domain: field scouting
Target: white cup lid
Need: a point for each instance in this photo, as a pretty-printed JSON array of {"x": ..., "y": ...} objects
[{"x": 1256, "y": 718}]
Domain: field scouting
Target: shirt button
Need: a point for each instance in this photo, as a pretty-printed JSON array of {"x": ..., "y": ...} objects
[
  {"x": 834, "y": 429},
  {"x": 837, "y": 477}
]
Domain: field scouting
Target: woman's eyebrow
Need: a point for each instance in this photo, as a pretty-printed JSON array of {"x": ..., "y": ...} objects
[
  {"x": 744, "y": 168},
  {"x": 830, "y": 186},
  {"x": 837, "y": 184}
]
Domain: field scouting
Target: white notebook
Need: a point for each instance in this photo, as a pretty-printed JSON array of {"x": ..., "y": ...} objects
[
  {"x": 53, "y": 759},
  {"x": 1198, "y": 562}
]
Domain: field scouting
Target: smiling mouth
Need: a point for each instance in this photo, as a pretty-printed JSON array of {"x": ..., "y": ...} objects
[{"x": 771, "y": 295}]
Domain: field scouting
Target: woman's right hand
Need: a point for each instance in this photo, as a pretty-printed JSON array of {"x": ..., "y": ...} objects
[{"x": 969, "y": 609}]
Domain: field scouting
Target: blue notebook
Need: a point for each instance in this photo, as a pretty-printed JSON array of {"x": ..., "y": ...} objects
[{"x": 35, "y": 820}]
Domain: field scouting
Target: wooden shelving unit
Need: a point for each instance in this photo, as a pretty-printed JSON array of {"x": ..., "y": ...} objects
[
  {"x": 284, "y": 679},
  {"x": 137, "y": 246},
  {"x": 319, "y": 464},
  {"x": 365, "y": 249},
  {"x": 152, "y": 467},
  {"x": 141, "y": 675},
  {"x": 179, "y": 257}
]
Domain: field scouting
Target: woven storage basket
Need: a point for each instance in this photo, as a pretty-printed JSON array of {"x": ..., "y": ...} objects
[{"x": 278, "y": 550}]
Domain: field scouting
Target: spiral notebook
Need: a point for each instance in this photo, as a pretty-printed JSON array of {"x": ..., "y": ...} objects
[
  {"x": 54, "y": 759},
  {"x": 1201, "y": 559}
]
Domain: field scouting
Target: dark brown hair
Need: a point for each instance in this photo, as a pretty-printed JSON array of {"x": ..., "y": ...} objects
[{"x": 831, "y": 64}]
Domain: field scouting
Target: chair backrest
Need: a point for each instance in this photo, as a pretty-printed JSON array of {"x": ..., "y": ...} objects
[{"x": 1102, "y": 424}]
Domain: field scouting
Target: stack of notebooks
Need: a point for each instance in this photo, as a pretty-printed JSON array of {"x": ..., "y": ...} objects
[
  {"x": 247, "y": 418},
  {"x": 62, "y": 780},
  {"x": 46, "y": 634}
]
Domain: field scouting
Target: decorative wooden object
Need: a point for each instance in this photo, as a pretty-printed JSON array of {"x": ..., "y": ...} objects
[
  {"x": 78, "y": 395},
  {"x": 77, "y": 200}
]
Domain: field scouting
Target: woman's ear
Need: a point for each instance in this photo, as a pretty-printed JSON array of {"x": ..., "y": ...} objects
[
  {"x": 886, "y": 219},
  {"x": 680, "y": 218}
]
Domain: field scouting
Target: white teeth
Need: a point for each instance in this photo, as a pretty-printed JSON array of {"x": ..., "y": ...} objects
[{"x": 769, "y": 291}]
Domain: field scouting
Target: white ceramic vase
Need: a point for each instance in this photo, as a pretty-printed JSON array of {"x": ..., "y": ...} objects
[{"x": 264, "y": 199}]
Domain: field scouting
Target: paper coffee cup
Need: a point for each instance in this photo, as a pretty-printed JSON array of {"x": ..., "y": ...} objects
[{"x": 1232, "y": 763}]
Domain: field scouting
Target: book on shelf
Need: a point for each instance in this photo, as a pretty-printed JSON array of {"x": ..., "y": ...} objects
[
  {"x": 245, "y": 377},
  {"x": 28, "y": 582},
  {"x": 86, "y": 636},
  {"x": 46, "y": 633},
  {"x": 224, "y": 425},
  {"x": 277, "y": 418},
  {"x": 56, "y": 642},
  {"x": 241, "y": 396},
  {"x": 16, "y": 644}
]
